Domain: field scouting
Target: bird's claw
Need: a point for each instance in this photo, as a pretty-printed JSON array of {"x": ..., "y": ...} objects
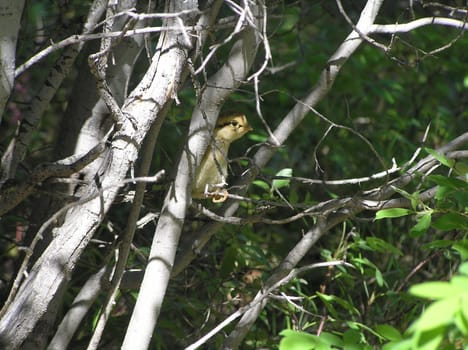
[{"x": 219, "y": 195}]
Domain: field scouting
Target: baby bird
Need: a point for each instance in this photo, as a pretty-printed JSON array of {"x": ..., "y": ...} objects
[{"x": 210, "y": 177}]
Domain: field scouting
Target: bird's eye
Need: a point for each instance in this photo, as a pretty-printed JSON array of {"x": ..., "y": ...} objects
[{"x": 234, "y": 123}]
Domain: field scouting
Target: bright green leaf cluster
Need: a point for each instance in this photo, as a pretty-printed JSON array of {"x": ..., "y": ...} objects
[
  {"x": 294, "y": 340},
  {"x": 444, "y": 323}
]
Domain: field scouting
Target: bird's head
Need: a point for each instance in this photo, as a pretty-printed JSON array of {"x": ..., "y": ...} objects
[{"x": 232, "y": 127}]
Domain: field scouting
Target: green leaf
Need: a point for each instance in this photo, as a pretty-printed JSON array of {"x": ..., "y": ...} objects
[
  {"x": 358, "y": 262},
  {"x": 228, "y": 262},
  {"x": 463, "y": 269},
  {"x": 461, "y": 197},
  {"x": 461, "y": 320},
  {"x": 388, "y": 332},
  {"x": 450, "y": 182},
  {"x": 405, "y": 194},
  {"x": 464, "y": 313},
  {"x": 351, "y": 339},
  {"x": 330, "y": 339},
  {"x": 443, "y": 192},
  {"x": 439, "y": 243},
  {"x": 424, "y": 222},
  {"x": 441, "y": 158},
  {"x": 460, "y": 282},
  {"x": 280, "y": 183},
  {"x": 328, "y": 299},
  {"x": 257, "y": 137},
  {"x": 438, "y": 314},
  {"x": 379, "y": 278},
  {"x": 392, "y": 213},
  {"x": 294, "y": 340},
  {"x": 461, "y": 169},
  {"x": 462, "y": 248},
  {"x": 379, "y": 245},
  {"x": 430, "y": 339},
  {"x": 262, "y": 184},
  {"x": 435, "y": 290},
  {"x": 400, "y": 345},
  {"x": 451, "y": 221}
]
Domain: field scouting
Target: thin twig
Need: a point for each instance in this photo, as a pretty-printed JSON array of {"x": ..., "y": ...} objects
[
  {"x": 261, "y": 297},
  {"x": 77, "y": 38}
]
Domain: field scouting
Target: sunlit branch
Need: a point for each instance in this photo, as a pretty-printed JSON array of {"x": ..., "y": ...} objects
[
  {"x": 74, "y": 39},
  {"x": 418, "y": 23}
]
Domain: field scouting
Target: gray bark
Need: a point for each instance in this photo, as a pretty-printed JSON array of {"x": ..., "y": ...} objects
[
  {"x": 10, "y": 13},
  {"x": 53, "y": 269}
]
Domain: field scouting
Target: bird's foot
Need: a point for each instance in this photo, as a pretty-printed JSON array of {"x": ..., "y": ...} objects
[{"x": 219, "y": 194}]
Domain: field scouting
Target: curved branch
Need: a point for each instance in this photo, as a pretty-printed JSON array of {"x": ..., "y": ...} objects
[{"x": 418, "y": 23}]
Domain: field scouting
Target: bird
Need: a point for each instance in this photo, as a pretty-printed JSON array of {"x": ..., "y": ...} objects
[{"x": 210, "y": 176}]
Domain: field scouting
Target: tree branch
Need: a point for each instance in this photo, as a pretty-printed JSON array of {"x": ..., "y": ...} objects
[
  {"x": 10, "y": 12},
  {"x": 418, "y": 23},
  {"x": 170, "y": 223}
]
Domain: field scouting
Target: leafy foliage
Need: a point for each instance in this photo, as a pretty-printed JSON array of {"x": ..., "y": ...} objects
[{"x": 442, "y": 324}]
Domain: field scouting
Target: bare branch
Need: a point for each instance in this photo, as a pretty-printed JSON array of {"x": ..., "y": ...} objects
[
  {"x": 80, "y": 306},
  {"x": 348, "y": 203},
  {"x": 363, "y": 32},
  {"x": 79, "y": 38},
  {"x": 244, "y": 14},
  {"x": 418, "y": 23},
  {"x": 98, "y": 65}
]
